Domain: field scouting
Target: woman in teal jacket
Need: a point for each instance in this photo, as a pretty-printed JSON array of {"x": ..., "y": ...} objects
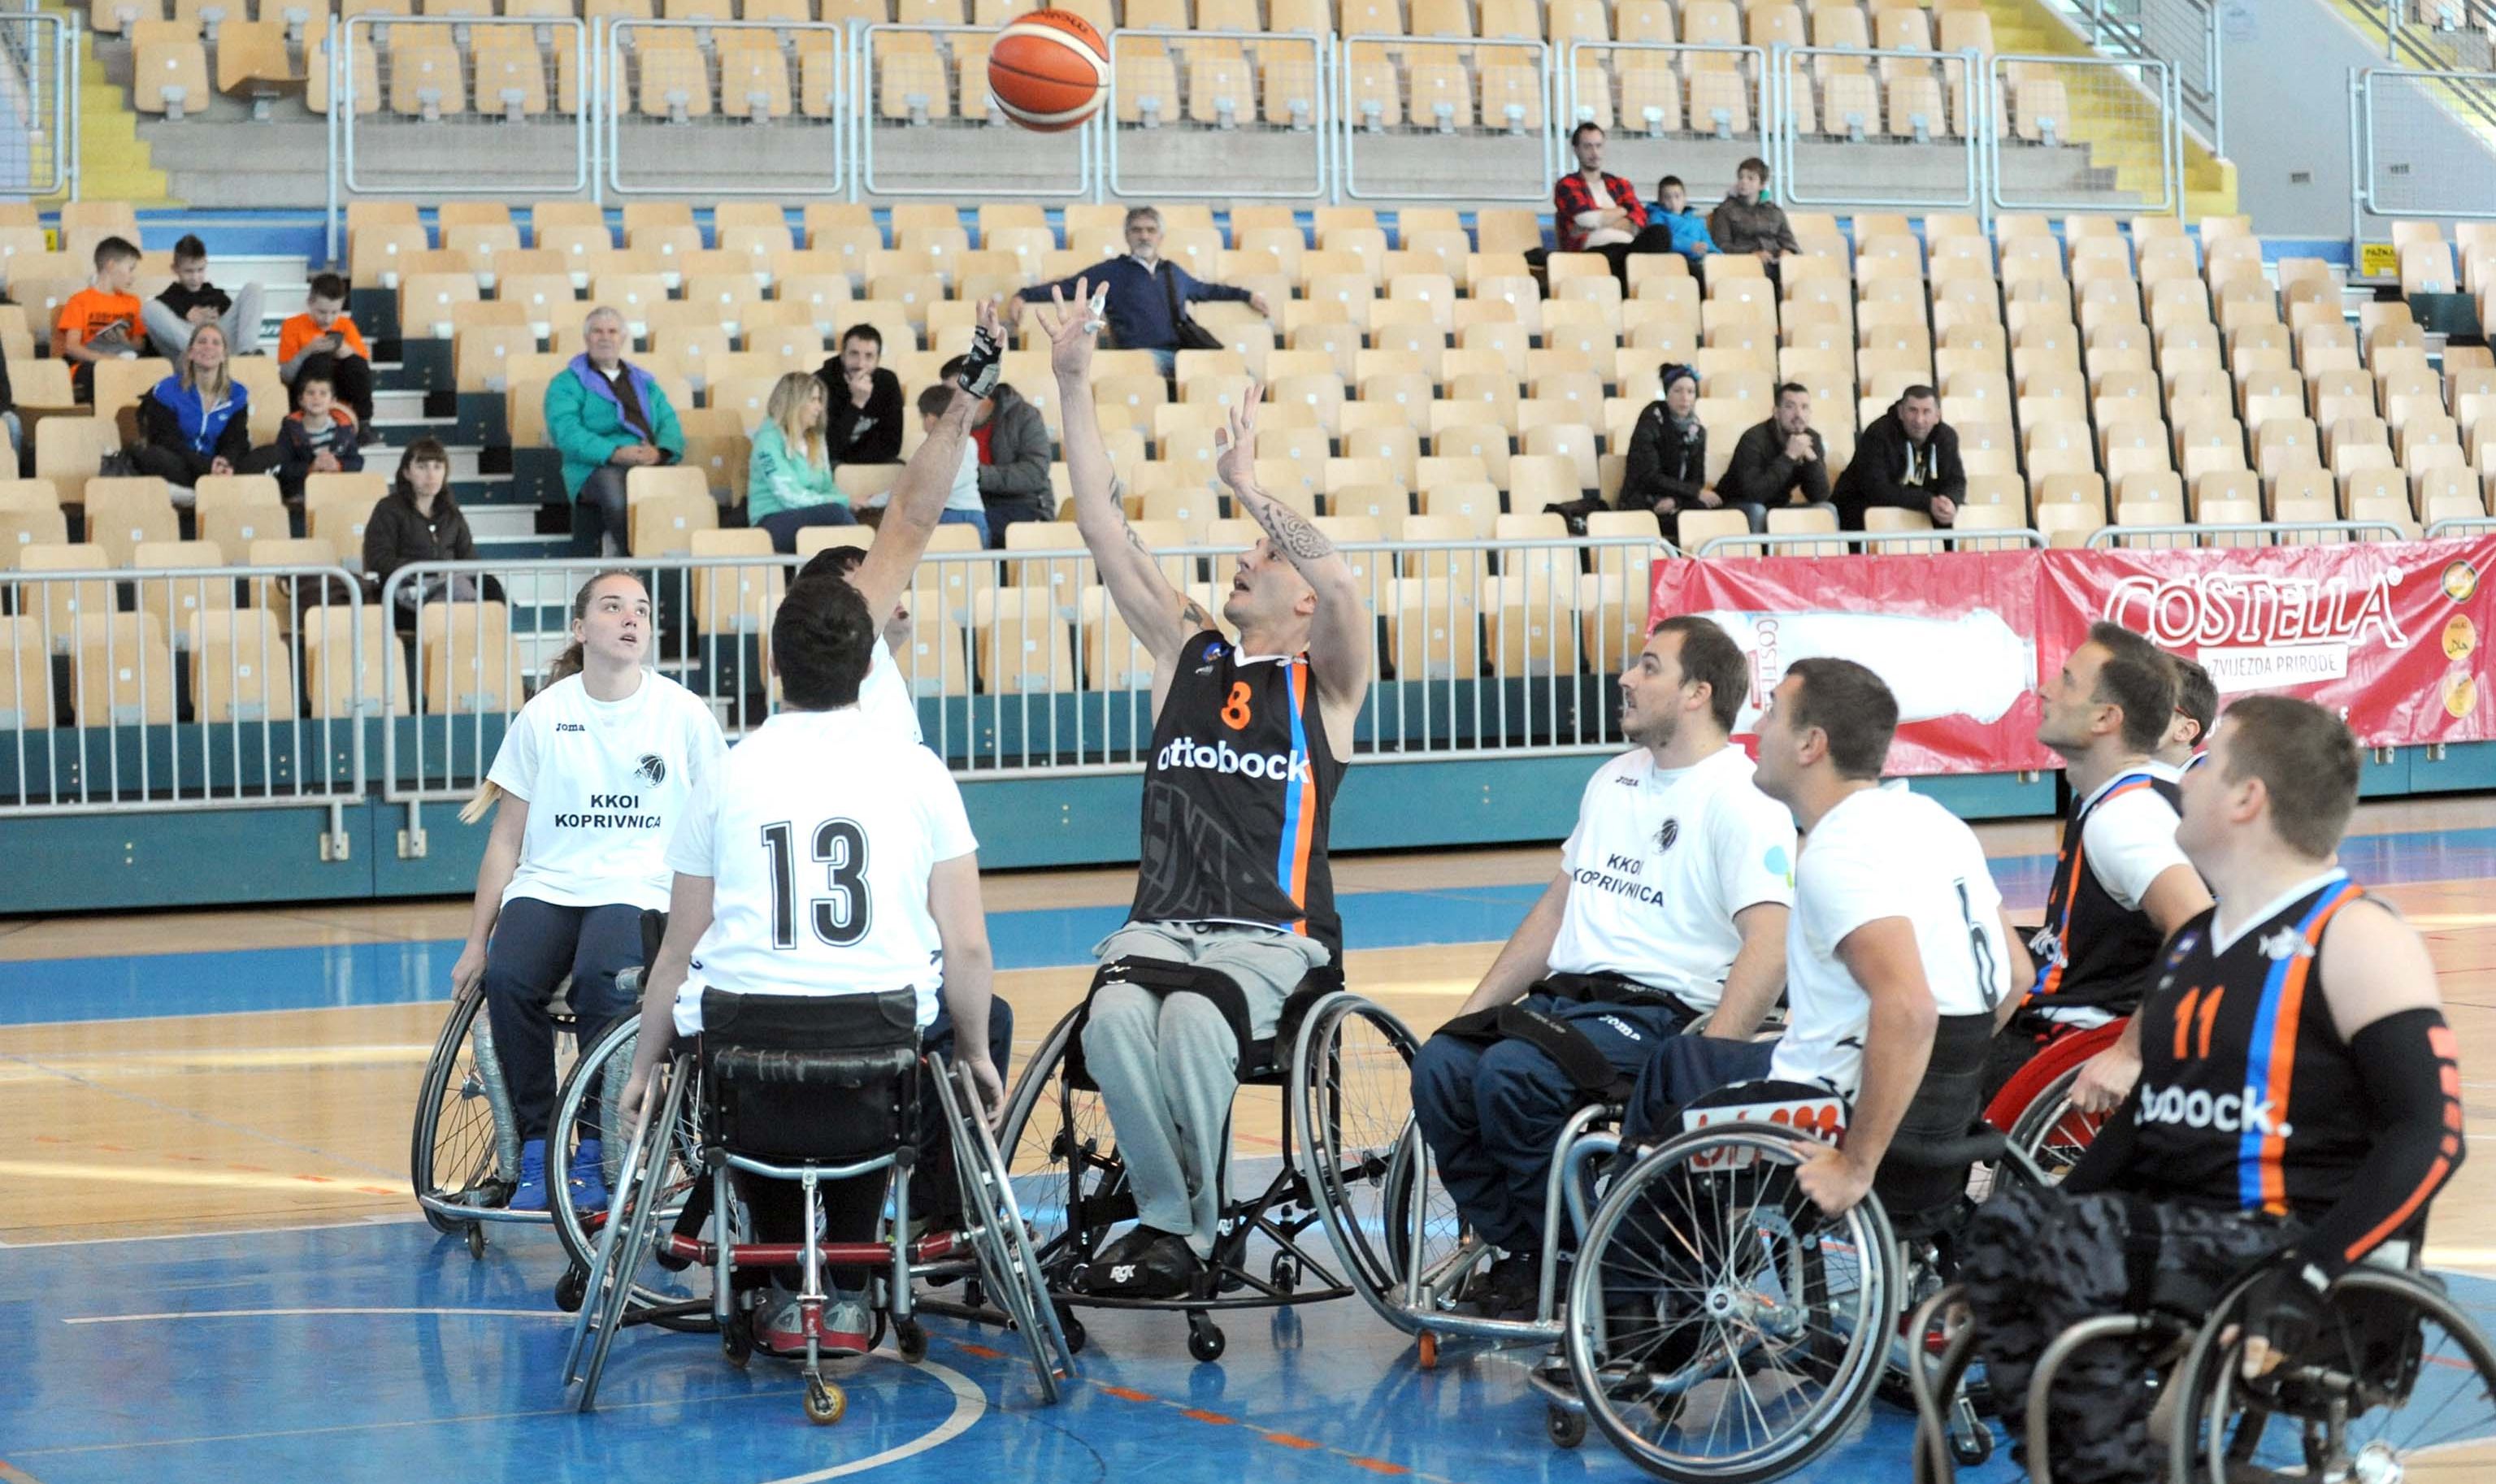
[
  {"x": 609, "y": 416},
  {"x": 789, "y": 479}
]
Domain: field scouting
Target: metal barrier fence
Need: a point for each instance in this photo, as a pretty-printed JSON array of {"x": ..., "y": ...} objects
[
  {"x": 2304, "y": 532},
  {"x": 1924, "y": 110},
  {"x": 1450, "y": 84},
  {"x": 1022, "y": 667},
  {"x": 2444, "y": 35},
  {"x": 169, "y": 689},
  {"x": 1233, "y": 82},
  {"x": 38, "y": 104},
  {"x": 450, "y": 105},
  {"x": 925, "y": 115},
  {"x": 725, "y": 107},
  {"x": 2418, "y": 143},
  {"x": 2124, "y": 112},
  {"x": 2184, "y": 34},
  {"x": 1840, "y": 543}
]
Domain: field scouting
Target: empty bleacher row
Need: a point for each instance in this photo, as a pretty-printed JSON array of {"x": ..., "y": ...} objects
[{"x": 1436, "y": 64}]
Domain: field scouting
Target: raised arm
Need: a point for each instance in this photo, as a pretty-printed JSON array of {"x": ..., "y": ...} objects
[
  {"x": 1341, "y": 633},
  {"x": 1161, "y": 618},
  {"x": 917, "y": 501}
]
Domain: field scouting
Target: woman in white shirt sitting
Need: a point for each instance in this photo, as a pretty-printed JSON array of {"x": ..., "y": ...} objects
[{"x": 592, "y": 776}]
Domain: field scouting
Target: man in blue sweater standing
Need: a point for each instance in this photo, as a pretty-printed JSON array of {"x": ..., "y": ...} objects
[{"x": 1148, "y": 297}]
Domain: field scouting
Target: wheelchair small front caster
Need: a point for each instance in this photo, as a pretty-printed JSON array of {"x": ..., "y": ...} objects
[
  {"x": 1971, "y": 1442},
  {"x": 1426, "y": 1346},
  {"x": 1566, "y": 1429},
  {"x": 910, "y": 1339},
  {"x": 737, "y": 1338},
  {"x": 570, "y": 1289},
  {"x": 825, "y": 1404},
  {"x": 1205, "y": 1340},
  {"x": 477, "y": 1241},
  {"x": 1284, "y": 1274},
  {"x": 1073, "y": 1330}
]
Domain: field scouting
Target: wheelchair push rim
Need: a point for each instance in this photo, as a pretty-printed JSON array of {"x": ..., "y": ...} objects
[
  {"x": 610, "y": 1061},
  {"x": 2050, "y": 1131},
  {"x": 1785, "y": 1318},
  {"x": 2393, "y": 1346},
  {"x": 1359, "y": 1155},
  {"x": 458, "y": 1165}
]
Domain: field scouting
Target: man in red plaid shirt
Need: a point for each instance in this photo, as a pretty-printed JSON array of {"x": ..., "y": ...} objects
[{"x": 1593, "y": 212}]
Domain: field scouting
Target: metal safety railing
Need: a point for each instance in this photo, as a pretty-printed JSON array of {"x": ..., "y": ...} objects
[
  {"x": 1928, "y": 111},
  {"x": 1667, "y": 92},
  {"x": 1841, "y": 542},
  {"x": 1230, "y": 81},
  {"x": 2265, "y": 533},
  {"x": 38, "y": 104},
  {"x": 2420, "y": 144},
  {"x": 1497, "y": 94},
  {"x": 2442, "y": 34},
  {"x": 455, "y": 106},
  {"x": 2122, "y": 112},
  {"x": 725, "y": 107},
  {"x": 169, "y": 689},
  {"x": 2184, "y": 34},
  {"x": 925, "y": 127},
  {"x": 1022, "y": 665}
]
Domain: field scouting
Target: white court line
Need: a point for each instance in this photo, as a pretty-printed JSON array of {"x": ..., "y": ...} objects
[
  {"x": 203, "y": 1236},
  {"x": 970, "y": 1403}
]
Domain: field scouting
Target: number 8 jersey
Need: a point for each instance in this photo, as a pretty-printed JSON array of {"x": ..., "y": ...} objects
[{"x": 818, "y": 837}]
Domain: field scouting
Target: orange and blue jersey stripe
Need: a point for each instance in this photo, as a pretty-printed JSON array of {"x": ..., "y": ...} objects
[
  {"x": 1299, "y": 804},
  {"x": 2049, "y": 976},
  {"x": 2271, "y": 1061}
]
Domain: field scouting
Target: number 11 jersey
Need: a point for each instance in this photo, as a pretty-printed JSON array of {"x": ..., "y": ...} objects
[{"x": 818, "y": 836}]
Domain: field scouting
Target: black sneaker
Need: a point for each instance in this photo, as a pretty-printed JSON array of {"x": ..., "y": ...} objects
[
  {"x": 1143, "y": 1264},
  {"x": 1509, "y": 1290}
]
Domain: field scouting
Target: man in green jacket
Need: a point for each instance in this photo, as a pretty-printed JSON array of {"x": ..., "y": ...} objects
[{"x": 609, "y": 416}]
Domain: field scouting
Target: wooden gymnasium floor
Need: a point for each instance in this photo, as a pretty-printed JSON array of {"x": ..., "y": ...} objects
[{"x": 237, "y": 1085}]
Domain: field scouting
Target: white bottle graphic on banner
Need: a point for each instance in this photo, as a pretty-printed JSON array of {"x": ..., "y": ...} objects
[{"x": 1975, "y": 665}]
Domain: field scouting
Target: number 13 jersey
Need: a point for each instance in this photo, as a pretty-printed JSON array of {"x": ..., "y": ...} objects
[
  {"x": 1238, "y": 792},
  {"x": 818, "y": 836}
]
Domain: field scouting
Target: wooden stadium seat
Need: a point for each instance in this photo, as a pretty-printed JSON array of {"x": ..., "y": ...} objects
[
  {"x": 121, "y": 672},
  {"x": 242, "y": 668},
  {"x": 470, "y": 665},
  {"x": 123, "y": 514},
  {"x": 169, "y": 77}
]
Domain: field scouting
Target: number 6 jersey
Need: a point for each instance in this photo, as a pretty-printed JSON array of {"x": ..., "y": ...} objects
[{"x": 818, "y": 837}]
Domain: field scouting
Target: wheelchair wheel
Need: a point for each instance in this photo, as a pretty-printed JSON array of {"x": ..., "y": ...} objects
[
  {"x": 1009, "y": 1265},
  {"x": 2053, "y": 1133},
  {"x": 596, "y": 1081},
  {"x": 1719, "y": 1327},
  {"x": 1063, "y": 1159},
  {"x": 2398, "y": 1384},
  {"x": 464, "y": 1152},
  {"x": 1360, "y": 1152}
]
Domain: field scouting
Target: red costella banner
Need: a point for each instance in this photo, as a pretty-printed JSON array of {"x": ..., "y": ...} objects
[{"x": 2389, "y": 634}]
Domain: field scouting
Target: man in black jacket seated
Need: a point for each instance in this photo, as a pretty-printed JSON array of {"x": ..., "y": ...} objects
[
  {"x": 1010, "y": 438},
  {"x": 1782, "y": 462},
  {"x": 861, "y": 401},
  {"x": 1907, "y": 459}
]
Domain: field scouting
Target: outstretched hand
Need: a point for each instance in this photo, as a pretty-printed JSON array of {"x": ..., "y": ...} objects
[
  {"x": 1072, "y": 330},
  {"x": 1237, "y": 463},
  {"x": 985, "y": 317}
]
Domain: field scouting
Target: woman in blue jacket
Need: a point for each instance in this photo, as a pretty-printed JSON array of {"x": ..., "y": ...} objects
[{"x": 197, "y": 420}]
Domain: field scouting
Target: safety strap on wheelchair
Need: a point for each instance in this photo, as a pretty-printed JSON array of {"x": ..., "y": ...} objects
[
  {"x": 1162, "y": 978},
  {"x": 1569, "y": 1048}
]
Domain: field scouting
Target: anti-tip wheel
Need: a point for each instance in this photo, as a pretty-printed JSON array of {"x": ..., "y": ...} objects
[
  {"x": 825, "y": 1404},
  {"x": 910, "y": 1338},
  {"x": 1284, "y": 1274},
  {"x": 477, "y": 1241},
  {"x": 1205, "y": 1340},
  {"x": 570, "y": 1289},
  {"x": 1971, "y": 1449},
  {"x": 1426, "y": 1346},
  {"x": 1073, "y": 1328},
  {"x": 1566, "y": 1429},
  {"x": 737, "y": 1338}
]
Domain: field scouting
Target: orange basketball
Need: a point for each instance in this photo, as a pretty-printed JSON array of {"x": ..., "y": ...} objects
[{"x": 1049, "y": 70}]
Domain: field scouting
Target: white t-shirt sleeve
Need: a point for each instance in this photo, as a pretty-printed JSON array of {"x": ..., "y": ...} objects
[
  {"x": 1755, "y": 851},
  {"x": 692, "y": 846},
  {"x": 515, "y": 762},
  {"x": 2130, "y": 843},
  {"x": 705, "y": 748},
  {"x": 948, "y": 824},
  {"x": 1586, "y": 806}
]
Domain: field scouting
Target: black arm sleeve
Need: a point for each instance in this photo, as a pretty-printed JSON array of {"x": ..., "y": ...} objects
[{"x": 2412, "y": 1077}]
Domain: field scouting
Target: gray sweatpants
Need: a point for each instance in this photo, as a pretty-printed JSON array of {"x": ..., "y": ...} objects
[
  {"x": 1167, "y": 1067},
  {"x": 171, "y": 334}
]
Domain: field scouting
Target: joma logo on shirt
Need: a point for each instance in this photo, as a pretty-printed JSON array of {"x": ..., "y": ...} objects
[{"x": 570, "y": 727}]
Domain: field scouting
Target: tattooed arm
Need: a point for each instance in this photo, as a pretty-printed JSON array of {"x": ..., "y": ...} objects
[
  {"x": 1161, "y": 617},
  {"x": 1342, "y": 632}
]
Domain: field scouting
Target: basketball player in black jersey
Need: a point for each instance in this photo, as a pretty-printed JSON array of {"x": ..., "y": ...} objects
[
  {"x": 2299, "y": 1104},
  {"x": 2121, "y": 884},
  {"x": 1233, "y": 905}
]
